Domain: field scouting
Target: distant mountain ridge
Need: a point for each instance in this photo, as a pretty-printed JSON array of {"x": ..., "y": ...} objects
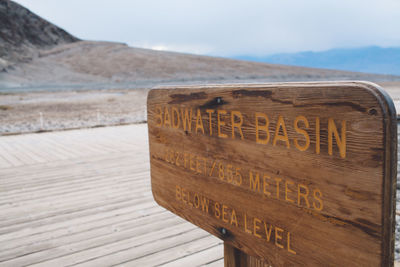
[
  {"x": 371, "y": 59},
  {"x": 22, "y": 33},
  {"x": 37, "y": 55}
]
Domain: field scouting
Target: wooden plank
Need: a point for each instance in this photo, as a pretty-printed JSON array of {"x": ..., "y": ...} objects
[
  {"x": 67, "y": 211},
  {"x": 131, "y": 247},
  {"x": 116, "y": 253},
  {"x": 25, "y": 158},
  {"x": 66, "y": 185},
  {"x": 47, "y": 232},
  {"x": 178, "y": 247},
  {"x": 22, "y": 146},
  {"x": 75, "y": 190},
  {"x": 53, "y": 172},
  {"x": 199, "y": 258},
  {"x": 94, "y": 235},
  {"x": 4, "y": 163},
  {"x": 8, "y": 156},
  {"x": 37, "y": 220},
  {"x": 89, "y": 207},
  {"x": 218, "y": 263},
  {"x": 83, "y": 241},
  {"x": 298, "y": 173},
  {"x": 72, "y": 201}
]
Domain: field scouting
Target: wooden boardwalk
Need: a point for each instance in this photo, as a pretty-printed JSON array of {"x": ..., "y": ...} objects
[{"x": 83, "y": 198}]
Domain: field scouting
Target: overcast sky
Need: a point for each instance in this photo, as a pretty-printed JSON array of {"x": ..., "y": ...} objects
[{"x": 228, "y": 28}]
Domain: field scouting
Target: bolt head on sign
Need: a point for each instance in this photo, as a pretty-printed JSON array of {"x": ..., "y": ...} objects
[{"x": 297, "y": 174}]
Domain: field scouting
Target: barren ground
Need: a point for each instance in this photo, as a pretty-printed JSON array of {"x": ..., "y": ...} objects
[
  {"x": 31, "y": 112},
  {"x": 37, "y": 111}
]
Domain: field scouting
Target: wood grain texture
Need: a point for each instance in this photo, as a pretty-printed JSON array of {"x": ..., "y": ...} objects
[
  {"x": 234, "y": 257},
  {"x": 83, "y": 198},
  {"x": 298, "y": 174}
]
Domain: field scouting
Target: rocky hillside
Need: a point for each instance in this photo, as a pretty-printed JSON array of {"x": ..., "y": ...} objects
[
  {"x": 22, "y": 33},
  {"x": 35, "y": 54}
]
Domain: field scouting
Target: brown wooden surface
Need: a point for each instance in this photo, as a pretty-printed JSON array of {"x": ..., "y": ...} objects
[
  {"x": 322, "y": 198},
  {"x": 234, "y": 257}
]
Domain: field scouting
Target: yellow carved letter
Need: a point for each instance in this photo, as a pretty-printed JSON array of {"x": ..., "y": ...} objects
[
  {"x": 175, "y": 113},
  {"x": 300, "y": 194},
  {"x": 159, "y": 116},
  {"x": 186, "y": 119},
  {"x": 167, "y": 119},
  {"x": 199, "y": 121},
  {"x": 220, "y": 123},
  {"x": 210, "y": 112},
  {"x": 256, "y": 227},
  {"x": 262, "y": 127},
  {"x": 303, "y": 132},
  {"x": 341, "y": 142},
  {"x": 234, "y": 218},
  {"x": 278, "y": 236},
  {"x": 265, "y": 185},
  {"x": 317, "y": 137},
  {"x": 254, "y": 181},
  {"x": 281, "y": 124},
  {"x": 317, "y": 197},
  {"x": 238, "y": 125},
  {"x": 288, "y": 244},
  {"x": 287, "y": 190}
]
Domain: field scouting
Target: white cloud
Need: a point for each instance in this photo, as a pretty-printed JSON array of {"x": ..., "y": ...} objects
[{"x": 190, "y": 48}]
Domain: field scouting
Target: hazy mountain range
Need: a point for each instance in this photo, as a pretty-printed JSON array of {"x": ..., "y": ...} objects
[
  {"x": 36, "y": 54},
  {"x": 371, "y": 59}
]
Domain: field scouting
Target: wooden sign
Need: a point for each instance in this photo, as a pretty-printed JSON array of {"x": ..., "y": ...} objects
[{"x": 298, "y": 174}]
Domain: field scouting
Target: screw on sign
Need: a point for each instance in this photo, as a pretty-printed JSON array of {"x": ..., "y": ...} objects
[{"x": 287, "y": 174}]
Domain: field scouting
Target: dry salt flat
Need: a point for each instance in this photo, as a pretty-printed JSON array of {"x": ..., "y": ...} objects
[{"x": 83, "y": 198}]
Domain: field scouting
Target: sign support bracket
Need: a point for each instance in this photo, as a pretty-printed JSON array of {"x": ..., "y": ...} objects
[{"x": 234, "y": 257}]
